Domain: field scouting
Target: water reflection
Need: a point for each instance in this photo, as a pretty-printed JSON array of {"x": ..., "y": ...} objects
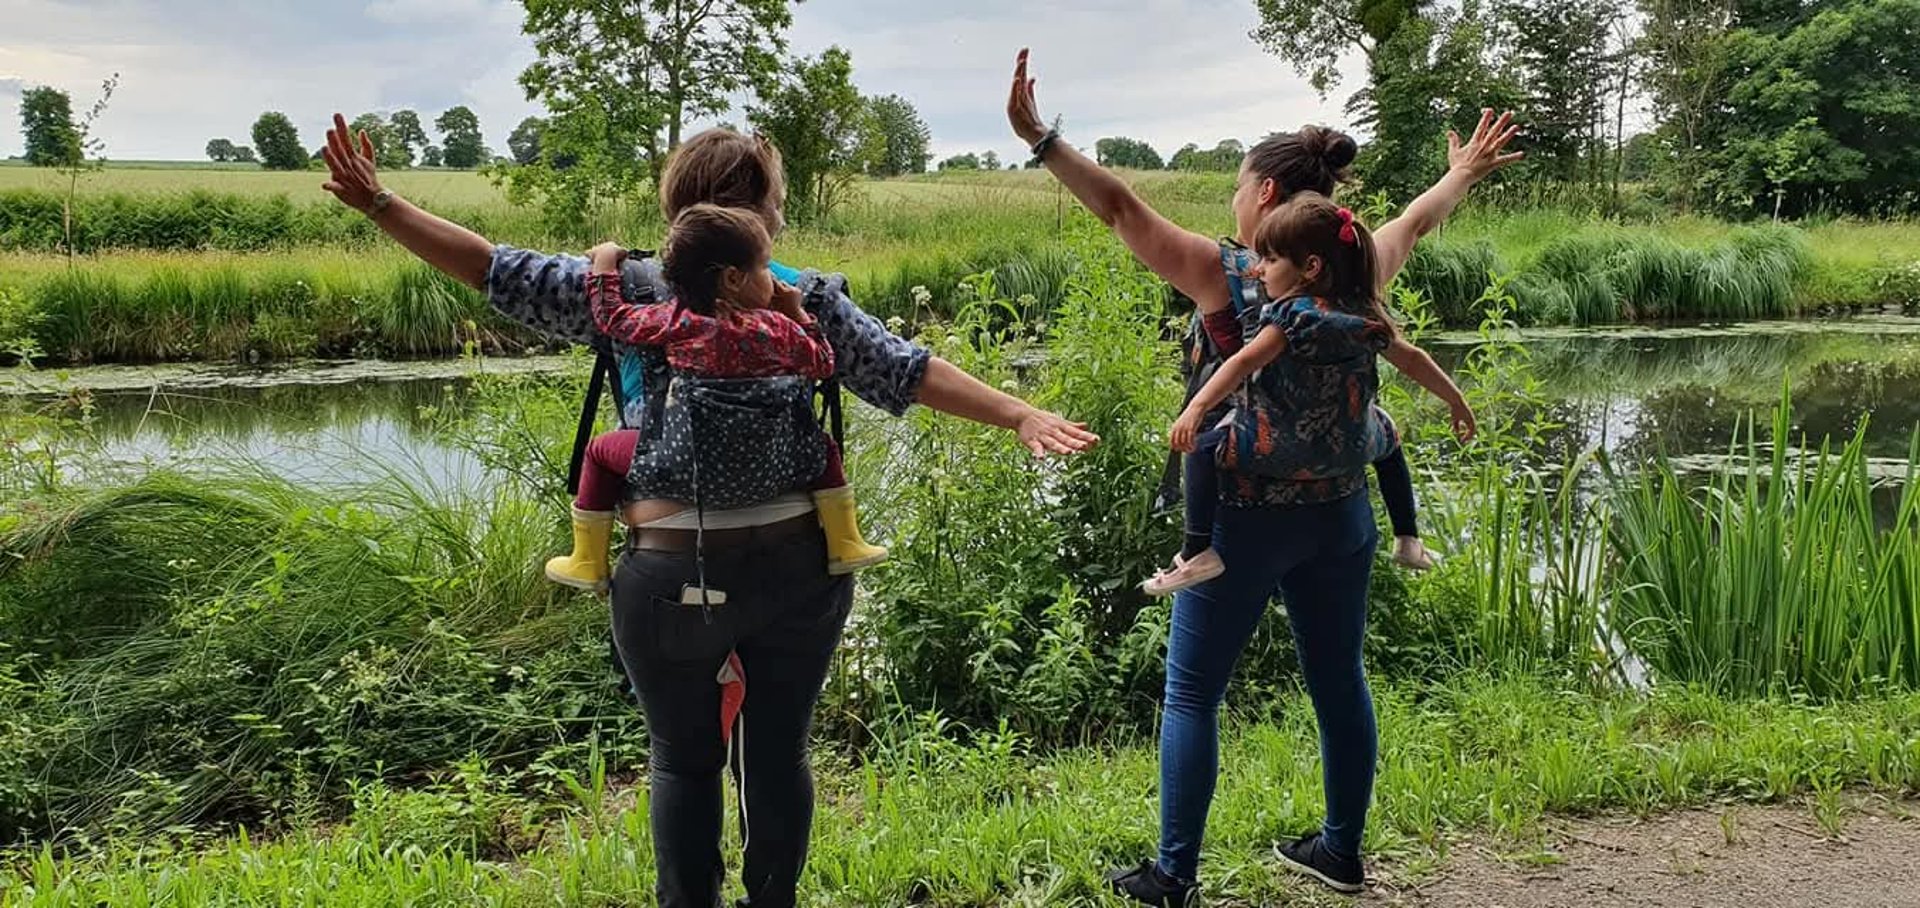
[{"x": 1636, "y": 394}]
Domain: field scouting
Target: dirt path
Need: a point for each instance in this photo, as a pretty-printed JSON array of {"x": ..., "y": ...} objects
[{"x": 1732, "y": 857}]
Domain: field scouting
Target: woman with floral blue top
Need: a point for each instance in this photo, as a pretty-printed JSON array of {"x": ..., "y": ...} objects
[
  {"x": 1307, "y": 534},
  {"x": 782, "y": 612}
]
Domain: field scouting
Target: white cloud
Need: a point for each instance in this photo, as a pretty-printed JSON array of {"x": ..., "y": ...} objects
[
  {"x": 437, "y": 12},
  {"x": 1167, "y": 71}
]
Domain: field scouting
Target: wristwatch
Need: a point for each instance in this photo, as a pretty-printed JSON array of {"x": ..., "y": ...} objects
[{"x": 381, "y": 200}]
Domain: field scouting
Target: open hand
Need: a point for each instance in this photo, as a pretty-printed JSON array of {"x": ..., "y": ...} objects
[
  {"x": 1022, "y": 112},
  {"x": 352, "y": 177},
  {"x": 1484, "y": 153},
  {"x": 1050, "y": 433}
]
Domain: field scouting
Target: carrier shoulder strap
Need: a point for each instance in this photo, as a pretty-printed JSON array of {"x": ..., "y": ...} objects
[{"x": 604, "y": 366}]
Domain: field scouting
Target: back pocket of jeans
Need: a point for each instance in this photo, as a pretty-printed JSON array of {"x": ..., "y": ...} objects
[{"x": 690, "y": 633}]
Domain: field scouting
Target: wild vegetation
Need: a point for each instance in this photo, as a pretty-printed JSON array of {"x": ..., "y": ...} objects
[{"x": 200, "y": 648}]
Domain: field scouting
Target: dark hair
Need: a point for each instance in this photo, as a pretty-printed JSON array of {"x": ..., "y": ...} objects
[
  {"x": 705, "y": 241},
  {"x": 1309, "y": 224},
  {"x": 1315, "y": 159},
  {"x": 723, "y": 167}
]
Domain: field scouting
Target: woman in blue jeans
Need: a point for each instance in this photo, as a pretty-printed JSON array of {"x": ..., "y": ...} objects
[{"x": 1312, "y": 542}]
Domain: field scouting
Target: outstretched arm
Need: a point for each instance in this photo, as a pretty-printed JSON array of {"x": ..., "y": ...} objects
[
  {"x": 1187, "y": 260},
  {"x": 461, "y": 253},
  {"x": 1468, "y": 164},
  {"x": 1270, "y": 343},
  {"x": 1416, "y": 364}
]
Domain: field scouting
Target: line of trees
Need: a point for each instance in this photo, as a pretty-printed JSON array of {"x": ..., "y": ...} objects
[
  {"x": 399, "y": 139},
  {"x": 1759, "y": 106}
]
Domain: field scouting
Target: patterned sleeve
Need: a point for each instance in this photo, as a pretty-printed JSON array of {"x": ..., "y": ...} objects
[
  {"x": 878, "y": 366},
  {"x": 544, "y": 292},
  {"x": 642, "y": 326}
]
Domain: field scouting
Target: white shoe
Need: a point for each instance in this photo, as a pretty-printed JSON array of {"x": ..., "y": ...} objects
[{"x": 1185, "y": 574}]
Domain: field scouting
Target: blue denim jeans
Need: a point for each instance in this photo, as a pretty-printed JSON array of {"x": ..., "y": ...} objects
[{"x": 1319, "y": 559}]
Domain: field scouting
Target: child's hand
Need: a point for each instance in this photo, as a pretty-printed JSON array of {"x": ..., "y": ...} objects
[
  {"x": 1464, "y": 425},
  {"x": 1181, "y": 436},
  {"x": 786, "y": 301},
  {"x": 606, "y": 257}
]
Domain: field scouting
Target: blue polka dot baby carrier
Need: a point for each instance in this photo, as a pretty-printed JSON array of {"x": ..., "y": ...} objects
[{"x": 730, "y": 442}]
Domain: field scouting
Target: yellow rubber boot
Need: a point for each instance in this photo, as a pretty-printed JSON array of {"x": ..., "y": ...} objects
[
  {"x": 586, "y": 568},
  {"x": 846, "y": 550}
]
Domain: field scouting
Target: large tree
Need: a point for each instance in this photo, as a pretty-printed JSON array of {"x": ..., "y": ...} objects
[
  {"x": 524, "y": 143},
  {"x": 1684, "y": 72},
  {"x": 814, "y": 115},
  {"x": 1120, "y": 151},
  {"x": 410, "y": 137},
  {"x": 462, "y": 146},
  {"x": 621, "y": 80},
  {"x": 221, "y": 150},
  {"x": 390, "y": 152},
  {"x": 1224, "y": 157},
  {"x": 1822, "y": 112},
  {"x": 46, "y": 120},
  {"x": 278, "y": 142},
  {"x": 895, "y": 140},
  {"x": 1560, "y": 48}
]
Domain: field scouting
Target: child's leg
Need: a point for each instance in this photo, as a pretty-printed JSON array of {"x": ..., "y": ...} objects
[
  {"x": 1396, "y": 490},
  {"x": 1223, "y": 326},
  {"x": 847, "y": 550},
  {"x": 604, "y": 474},
  {"x": 835, "y": 474},
  {"x": 1203, "y": 493},
  {"x": 1197, "y": 562}
]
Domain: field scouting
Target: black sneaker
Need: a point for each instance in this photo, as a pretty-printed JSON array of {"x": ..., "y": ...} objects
[
  {"x": 1310, "y": 855},
  {"x": 1149, "y": 885}
]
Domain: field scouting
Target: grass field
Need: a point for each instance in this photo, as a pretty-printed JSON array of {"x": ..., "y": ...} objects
[
  {"x": 141, "y": 226},
  {"x": 926, "y": 821},
  {"x": 444, "y": 187}
]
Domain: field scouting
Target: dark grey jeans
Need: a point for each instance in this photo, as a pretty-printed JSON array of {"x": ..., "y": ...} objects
[{"x": 784, "y": 616}]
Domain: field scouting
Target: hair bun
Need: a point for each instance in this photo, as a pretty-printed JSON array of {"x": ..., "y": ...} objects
[{"x": 1334, "y": 148}]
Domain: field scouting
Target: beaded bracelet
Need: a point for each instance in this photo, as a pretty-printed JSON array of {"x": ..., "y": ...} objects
[{"x": 1046, "y": 142}]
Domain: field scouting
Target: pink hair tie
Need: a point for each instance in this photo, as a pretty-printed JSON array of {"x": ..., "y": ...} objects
[{"x": 1348, "y": 235}]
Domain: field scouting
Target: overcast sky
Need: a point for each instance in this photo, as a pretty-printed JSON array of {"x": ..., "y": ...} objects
[{"x": 1168, "y": 71}]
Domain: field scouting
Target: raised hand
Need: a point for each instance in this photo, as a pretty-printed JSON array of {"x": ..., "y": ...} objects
[
  {"x": 1022, "y": 112},
  {"x": 1484, "y": 152},
  {"x": 353, "y": 179}
]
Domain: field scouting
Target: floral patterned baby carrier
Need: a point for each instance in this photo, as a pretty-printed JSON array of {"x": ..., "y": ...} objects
[{"x": 1310, "y": 413}]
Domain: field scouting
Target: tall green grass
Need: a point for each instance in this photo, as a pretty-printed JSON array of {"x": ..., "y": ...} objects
[
  {"x": 1777, "y": 575},
  {"x": 197, "y": 648},
  {"x": 225, "y": 310},
  {"x": 1608, "y": 275}
]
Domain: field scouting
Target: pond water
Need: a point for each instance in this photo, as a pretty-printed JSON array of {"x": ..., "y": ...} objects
[{"x": 1636, "y": 392}]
